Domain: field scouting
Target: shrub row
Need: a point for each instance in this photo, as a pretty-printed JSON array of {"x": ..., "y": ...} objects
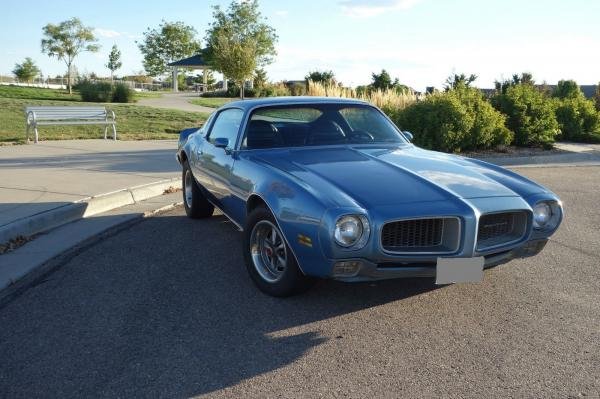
[
  {"x": 104, "y": 92},
  {"x": 521, "y": 114}
]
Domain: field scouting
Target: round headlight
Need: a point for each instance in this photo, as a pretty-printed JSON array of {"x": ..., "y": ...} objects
[
  {"x": 542, "y": 212},
  {"x": 352, "y": 231},
  {"x": 348, "y": 229}
]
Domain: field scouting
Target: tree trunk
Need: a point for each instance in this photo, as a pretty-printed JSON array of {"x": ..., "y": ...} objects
[
  {"x": 242, "y": 90},
  {"x": 69, "y": 78}
]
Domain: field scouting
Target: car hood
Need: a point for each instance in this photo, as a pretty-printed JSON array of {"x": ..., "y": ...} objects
[{"x": 385, "y": 176}]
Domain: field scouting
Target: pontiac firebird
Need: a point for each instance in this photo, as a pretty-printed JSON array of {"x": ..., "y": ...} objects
[{"x": 331, "y": 188}]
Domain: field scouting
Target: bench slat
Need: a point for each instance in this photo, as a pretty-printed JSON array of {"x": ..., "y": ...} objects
[
  {"x": 111, "y": 122},
  {"x": 82, "y": 116}
]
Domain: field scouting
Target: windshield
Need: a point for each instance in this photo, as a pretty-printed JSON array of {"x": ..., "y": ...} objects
[{"x": 318, "y": 124}]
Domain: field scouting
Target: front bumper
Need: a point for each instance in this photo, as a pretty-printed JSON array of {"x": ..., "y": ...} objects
[{"x": 370, "y": 271}]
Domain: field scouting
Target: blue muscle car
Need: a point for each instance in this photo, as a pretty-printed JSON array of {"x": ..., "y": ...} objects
[{"x": 331, "y": 188}]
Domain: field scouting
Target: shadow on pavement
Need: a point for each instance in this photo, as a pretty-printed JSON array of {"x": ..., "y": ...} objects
[{"x": 165, "y": 308}]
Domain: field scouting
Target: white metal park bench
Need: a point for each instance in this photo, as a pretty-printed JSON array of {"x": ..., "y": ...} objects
[{"x": 67, "y": 115}]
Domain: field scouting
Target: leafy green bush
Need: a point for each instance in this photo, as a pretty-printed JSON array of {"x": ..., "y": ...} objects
[
  {"x": 216, "y": 93},
  {"x": 95, "y": 92},
  {"x": 457, "y": 120},
  {"x": 104, "y": 92},
  {"x": 122, "y": 93},
  {"x": 530, "y": 115},
  {"x": 578, "y": 119},
  {"x": 273, "y": 90}
]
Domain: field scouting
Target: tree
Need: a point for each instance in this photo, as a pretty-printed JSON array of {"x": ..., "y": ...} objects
[
  {"x": 114, "y": 61},
  {"x": 455, "y": 81},
  {"x": 525, "y": 78},
  {"x": 66, "y": 40},
  {"x": 323, "y": 77},
  {"x": 241, "y": 57},
  {"x": 567, "y": 89},
  {"x": 597, "y": 97},
  {"x": 239, "y": 41},
  {"x": 260, "y": 78},
  {"x": 26, "y": 71},
  {"x": 382, "y": 81},
  {"x": 170, "y": 42}
]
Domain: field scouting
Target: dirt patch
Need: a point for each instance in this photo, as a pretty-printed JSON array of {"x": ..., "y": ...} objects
[
  {"x": 512, "y": 151},
  {"x": 171, "y": 190}
]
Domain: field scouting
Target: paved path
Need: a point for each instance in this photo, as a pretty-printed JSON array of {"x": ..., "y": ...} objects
[
  {"x": 37, "y": 178},
  {"x": 178, "y": 101},
  {"x": 575, "y": 154},
  {"x": 166, "y": 309}
]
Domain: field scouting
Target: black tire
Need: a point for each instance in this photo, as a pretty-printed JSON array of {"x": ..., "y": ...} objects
[
  {"x": 194, "y": 201},
  {"x": 291, "y": 280}
]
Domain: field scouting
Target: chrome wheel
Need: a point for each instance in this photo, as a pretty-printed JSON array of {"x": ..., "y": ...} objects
[
  {"x": 188, "y": 182},
  {"x": 268, "y": 251}
]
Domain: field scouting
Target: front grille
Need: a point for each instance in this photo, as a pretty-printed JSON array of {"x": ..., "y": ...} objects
[
  {"x": 497, "y": 229},
  {"x": 415, "y": 233},
  {"x": 420, "y": 235}
]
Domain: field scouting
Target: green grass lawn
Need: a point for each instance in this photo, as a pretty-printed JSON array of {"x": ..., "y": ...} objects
[
  {"x": 134, "y": 122},
  {"x": 39, "y": 93},
  {"x": 213, "y": 102}
]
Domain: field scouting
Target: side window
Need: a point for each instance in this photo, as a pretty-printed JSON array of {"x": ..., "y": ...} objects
[
  {"x": 207, "y": 123},
  {"x": 226, "y": 125}
]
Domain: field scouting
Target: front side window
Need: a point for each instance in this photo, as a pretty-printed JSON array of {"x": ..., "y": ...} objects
[
  {"x": 226, "y": 125},
  {"x": 318, "y": 124}
]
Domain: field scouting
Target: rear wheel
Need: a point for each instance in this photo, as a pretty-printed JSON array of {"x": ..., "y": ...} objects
[
  {"x": 269, "y": 260},
  {"x": 195, "y": 203}
]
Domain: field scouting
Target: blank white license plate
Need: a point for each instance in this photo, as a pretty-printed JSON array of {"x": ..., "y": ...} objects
[{"x": 459, "y": 270}]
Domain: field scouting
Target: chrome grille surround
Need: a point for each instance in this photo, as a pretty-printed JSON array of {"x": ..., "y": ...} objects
[
  {"x": 430, "y": 235},
  {"x": 500, "y": 229}
]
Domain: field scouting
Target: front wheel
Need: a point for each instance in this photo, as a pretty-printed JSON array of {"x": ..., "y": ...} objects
[
  {"x": 195, "y": 203},
  {"x": 268, "y": 258}
]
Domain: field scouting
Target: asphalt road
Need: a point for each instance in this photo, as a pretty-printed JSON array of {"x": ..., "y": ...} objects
[{"x": 165, "y": 309}]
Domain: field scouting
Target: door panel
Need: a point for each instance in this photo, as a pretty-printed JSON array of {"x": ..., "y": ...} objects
[{"x": 217, "y": 163}]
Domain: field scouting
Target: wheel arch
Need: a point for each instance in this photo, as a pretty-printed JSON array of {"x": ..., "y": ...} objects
[
  {"x": 182, "y": 157},
  {"x": 298, "y": 216}
]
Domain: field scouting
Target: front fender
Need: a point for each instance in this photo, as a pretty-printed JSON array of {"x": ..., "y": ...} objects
[{"x": 299, "y": 215}]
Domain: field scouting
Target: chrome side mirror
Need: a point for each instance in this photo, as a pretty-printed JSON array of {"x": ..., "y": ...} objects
[{"x": 409, "y": 136}]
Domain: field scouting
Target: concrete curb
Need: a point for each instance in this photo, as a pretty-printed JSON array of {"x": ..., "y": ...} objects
[{"x": 84, "y": 208}]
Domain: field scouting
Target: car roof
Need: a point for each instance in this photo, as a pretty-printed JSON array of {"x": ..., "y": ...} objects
[{"x": 266, "y": 101}]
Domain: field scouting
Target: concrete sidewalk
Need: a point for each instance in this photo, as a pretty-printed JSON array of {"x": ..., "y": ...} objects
[
  {"x": 36, "y": 180},
  {"x": 180, "y": 101}
]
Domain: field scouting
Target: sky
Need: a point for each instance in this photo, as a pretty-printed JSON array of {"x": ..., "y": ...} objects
[{"x": 421, "y": 42}]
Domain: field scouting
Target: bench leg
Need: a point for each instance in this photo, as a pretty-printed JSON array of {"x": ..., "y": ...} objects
[
  {"x": 27, "y": 133},
  {"x": 105, "y": 131},
  {"x": 114, "y": 132},
  {"x": 36, "y": 134}
]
